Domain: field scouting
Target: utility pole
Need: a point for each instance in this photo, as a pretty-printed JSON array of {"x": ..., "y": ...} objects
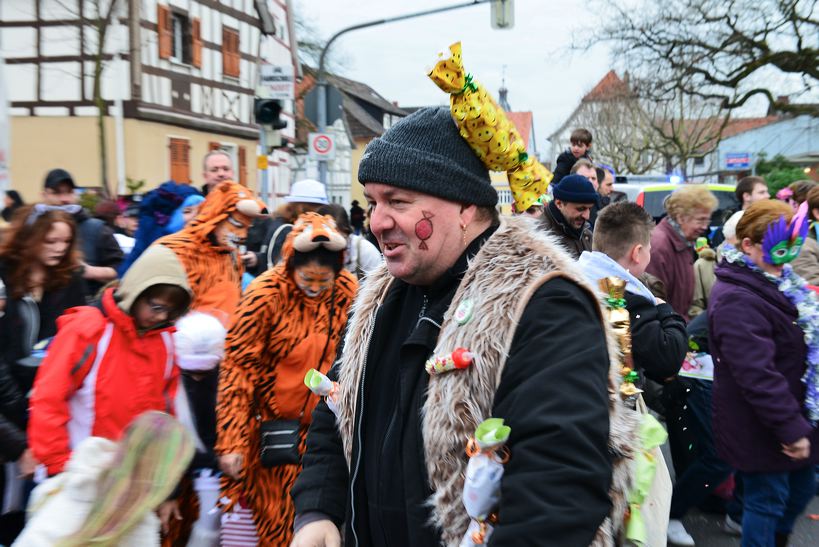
[{"x": 321, "y": 82}]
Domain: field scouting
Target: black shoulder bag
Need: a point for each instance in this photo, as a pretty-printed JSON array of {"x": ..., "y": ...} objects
[{"x": 280, "y": 438}]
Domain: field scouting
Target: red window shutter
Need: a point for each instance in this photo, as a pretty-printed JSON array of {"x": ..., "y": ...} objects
[
  {"x": 180, "y": 161},
  {"x": 196, "y": 43},
  {"x": 230, "y": 52},
  {"x": 242, "y": 166},
  {"x": 165, "y": 29}
]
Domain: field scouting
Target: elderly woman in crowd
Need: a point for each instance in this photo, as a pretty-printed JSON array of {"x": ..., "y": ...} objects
[
  {"x": 763, "y": 411},
  {"x": 672, "y": 254}
]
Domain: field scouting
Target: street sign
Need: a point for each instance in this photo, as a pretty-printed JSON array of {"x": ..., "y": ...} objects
[
  {"x": 320, "y": 146},
  {"x": 333, "y": 105},
  {"x": 261, "y": 161},
  {"x": 275, "y": 82},
  {"x": 738, "y": 161},
  {"x": 503, "y": 14}
]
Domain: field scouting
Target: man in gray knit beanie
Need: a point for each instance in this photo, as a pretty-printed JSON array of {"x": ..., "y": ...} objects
[
  {"x": 424, "y": 152},
  {"x": 389, "y": 466}
]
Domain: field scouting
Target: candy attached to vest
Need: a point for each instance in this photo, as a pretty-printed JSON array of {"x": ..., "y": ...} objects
[{"x": 459, "y": 359}]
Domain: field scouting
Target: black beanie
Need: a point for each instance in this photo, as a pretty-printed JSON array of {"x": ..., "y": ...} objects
[
  {"x": 575, "y": 189},
  {"x": 425, "y": 152}
]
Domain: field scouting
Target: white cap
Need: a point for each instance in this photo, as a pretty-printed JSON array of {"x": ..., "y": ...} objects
[
  {"x": 729, "y": 229},
  {"x": 307, "y": 191},
  {"x": 199, "y": 341}
]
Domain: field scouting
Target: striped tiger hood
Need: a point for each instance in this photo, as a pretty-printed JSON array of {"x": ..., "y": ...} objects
[{"x": 227, "y": 199}]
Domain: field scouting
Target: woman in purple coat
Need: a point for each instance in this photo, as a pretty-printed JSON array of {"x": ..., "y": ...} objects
[{"x": 764, "y": 325}]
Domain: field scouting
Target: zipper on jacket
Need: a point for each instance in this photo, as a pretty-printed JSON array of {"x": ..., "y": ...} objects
[
  {"x": 421, "y": 313},
  {"x": 370, "y": 330}
]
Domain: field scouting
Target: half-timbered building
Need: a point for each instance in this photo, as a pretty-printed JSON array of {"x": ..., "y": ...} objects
[{"x": 178, "y": 79}]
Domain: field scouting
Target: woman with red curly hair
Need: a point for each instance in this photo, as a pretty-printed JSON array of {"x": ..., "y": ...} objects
[{"x": 41, "y": 278}]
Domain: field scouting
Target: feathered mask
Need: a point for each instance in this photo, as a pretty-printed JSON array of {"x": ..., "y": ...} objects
[{"x": 782, "y": 241}]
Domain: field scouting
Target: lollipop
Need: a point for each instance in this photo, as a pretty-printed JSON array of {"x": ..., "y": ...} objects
[{"x": 490, "y": 134}]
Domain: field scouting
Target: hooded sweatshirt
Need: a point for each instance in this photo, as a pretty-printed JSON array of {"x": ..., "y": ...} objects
[{"x": 101, "y": 372}]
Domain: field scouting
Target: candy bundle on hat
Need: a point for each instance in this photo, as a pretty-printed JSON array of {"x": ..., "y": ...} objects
[
  {"x": 490, "y": 134},
  {"x": 424, "y": 152},
  {"x": 199, "y": 341}
]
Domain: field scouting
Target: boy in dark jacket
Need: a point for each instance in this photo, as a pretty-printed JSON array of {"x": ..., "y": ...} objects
[
  {"x": 621, "y": 249},
  {"x": 581, "y": 143},
  {"x": 200, "y": 346}
]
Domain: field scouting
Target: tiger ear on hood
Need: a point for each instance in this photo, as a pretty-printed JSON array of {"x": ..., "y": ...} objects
[{"x": 313, "y": 230}]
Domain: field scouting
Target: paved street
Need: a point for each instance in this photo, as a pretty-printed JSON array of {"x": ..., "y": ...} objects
[{"x": 707, "y": 532}]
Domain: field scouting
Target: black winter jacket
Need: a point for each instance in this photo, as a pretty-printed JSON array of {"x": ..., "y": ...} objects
[
  {"x": 555, "y": 488},
  {"x": 564, "y": 163},
  {"x": 201, "y": 392},
  {"x": 659, "y": 340}
]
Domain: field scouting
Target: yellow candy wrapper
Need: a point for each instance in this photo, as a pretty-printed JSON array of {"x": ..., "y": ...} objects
[{"x": 490, "y": 134}]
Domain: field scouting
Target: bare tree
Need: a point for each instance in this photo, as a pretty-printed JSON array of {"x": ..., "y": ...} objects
[
  {"x": 311, "y": 42},
  {"x": 623, "y": 133},
  {"x": 104, "y": 11},
  {"x": 684, "y": 127},
  {"x": 729, "y": 51},
  {"x": 100, "y": 20}
]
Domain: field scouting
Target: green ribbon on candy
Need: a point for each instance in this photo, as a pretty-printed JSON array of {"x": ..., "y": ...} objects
[
  {"x": 469, "y": 84},
  {"x": 616, "y": 303},
  {"x": 652, "y": 435},
  {"x": 631, "y": 377}
]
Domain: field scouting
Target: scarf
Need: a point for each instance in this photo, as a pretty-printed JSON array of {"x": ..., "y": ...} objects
[
  {"x": 804, "y": 300},
  {"x": 596, "y": 265},
  {"x": 677, "y": 228}
]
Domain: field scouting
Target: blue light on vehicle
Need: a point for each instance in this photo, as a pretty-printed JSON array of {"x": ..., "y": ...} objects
[{"x": 674, "y": 179}]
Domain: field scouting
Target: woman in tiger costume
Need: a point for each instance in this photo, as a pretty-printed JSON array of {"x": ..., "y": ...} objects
[{"x": 290, "y": 320}]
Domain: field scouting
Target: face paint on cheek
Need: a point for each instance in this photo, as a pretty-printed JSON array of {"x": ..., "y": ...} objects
[{"x": 424, "y": 229}]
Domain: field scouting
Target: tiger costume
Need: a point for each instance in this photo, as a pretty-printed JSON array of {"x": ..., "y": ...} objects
[
  {"x": 215, "y": 271},
  {"x": 278, "y": 334}
]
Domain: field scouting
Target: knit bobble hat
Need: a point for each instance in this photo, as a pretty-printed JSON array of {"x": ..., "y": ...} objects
[
  {"x": 425, "y": 152},
  {"x": 575, "y": 189},
  {"x": 199, "y": 342}
]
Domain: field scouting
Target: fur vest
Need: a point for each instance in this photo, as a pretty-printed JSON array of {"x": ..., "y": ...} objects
[{"x": 513, "y": 263}]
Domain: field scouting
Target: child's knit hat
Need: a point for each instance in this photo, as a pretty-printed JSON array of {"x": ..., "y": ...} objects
[{"x": 200, "y": 342}]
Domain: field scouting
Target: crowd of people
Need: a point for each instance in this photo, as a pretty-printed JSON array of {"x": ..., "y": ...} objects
[{"x": 153, "y": 357}]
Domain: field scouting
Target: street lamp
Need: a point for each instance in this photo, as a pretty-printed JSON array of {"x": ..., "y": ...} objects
[{"x": 503, "y": 18}]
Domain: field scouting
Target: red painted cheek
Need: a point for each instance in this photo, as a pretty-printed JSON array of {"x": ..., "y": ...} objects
[{"x": 424, "y": 229}]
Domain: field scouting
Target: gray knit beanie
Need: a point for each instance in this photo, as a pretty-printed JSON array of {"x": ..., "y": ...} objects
[{"x": 425, "y": 152}]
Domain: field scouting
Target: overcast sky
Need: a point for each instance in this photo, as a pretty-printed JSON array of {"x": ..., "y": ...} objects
[{"x": 393, "y": 59}]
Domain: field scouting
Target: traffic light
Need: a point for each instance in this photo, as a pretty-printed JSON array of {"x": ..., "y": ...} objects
[
  {"x": 503, "y": 14},
  {"x": 267, "y": 112}
]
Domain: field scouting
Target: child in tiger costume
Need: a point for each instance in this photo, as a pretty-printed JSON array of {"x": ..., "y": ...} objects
[
  {"x": 289, "y": 321},
  {"x": 208, "y": 248}
]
